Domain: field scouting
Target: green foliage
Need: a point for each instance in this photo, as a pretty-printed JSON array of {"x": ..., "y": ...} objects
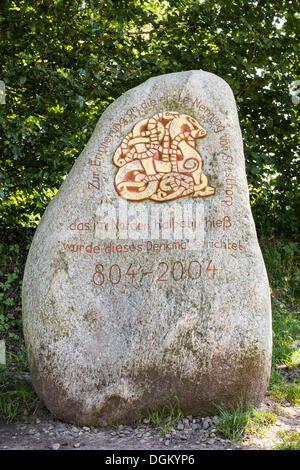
[
  {"x": 236, "y": 421},
  {"x": 164, "y": 418},
  {"x": 61, "y": 60},
  {"x": 17, "y": 399},
  {"x": 286, "y": 334},
  {"x": 282, "y": 390},
  {"x": 259, "y": 420},
  {"x": 290, "y": 441},
  {"x": 8, "y": 318},
  {"x": 282, "y": 259},
  {"x": 282, "y": 263},
  {"x": 232, "y": 420},
  {"x": 16, "y": 362},
  {"x": 13, "y": 251},
  {"x": 18, "y": 402}
]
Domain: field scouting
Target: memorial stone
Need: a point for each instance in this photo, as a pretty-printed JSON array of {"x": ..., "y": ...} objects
[{"x": 145, "y": 281}]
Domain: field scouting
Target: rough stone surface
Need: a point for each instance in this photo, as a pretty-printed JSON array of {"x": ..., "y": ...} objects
[{"x": 112, "y": 333}]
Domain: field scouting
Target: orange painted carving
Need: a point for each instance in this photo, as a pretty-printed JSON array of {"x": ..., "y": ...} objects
[{"x": 158, "y": 160}]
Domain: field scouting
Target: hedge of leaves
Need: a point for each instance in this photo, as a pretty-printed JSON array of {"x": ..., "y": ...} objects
[{"x": 64, "y": 61}]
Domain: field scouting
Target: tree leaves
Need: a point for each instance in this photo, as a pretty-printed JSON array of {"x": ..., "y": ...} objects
[{"x": 72, "y": 58}]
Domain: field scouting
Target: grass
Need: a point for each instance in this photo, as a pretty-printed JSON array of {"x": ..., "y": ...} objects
[
  {"x": 290, "y": 440},
  {"x": 259, "y": 420},
  {"x": 236, "y": 421},
  {"x": 286, "y": 333},
  {"x": 232, "y": 420},
  {"x": 286, "y": 352},
  {"x": 286, "y": 392},
  {"x": 283, "y": 267},
  {"x": 17, "y": 399},
  {"x": 163, "y": 419},
  {"x": 19, "y": 402}
]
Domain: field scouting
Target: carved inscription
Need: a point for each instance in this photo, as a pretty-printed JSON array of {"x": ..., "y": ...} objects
[
  {"x": 163, "y": 272},
  {"x": 158, "y": 160}
]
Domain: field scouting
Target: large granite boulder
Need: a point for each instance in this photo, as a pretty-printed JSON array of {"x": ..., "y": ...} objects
[{"x": 145, "y": 280}]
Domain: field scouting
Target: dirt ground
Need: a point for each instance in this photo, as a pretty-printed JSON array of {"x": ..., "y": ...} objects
[{"x": 43, "y": 432}]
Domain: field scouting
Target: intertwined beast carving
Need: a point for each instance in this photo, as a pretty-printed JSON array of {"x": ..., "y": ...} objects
[{"x": 158, "y": 160}]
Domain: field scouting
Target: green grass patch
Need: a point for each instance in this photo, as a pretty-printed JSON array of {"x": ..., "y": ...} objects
[
  {"x": 19, "y": 402},
  {"x": 16, "y": 364},
  {"x": 259, "y": 420},
  {"x": 290, "y": 441},
  {"x": 163, "y": 419},
  {"x": 236, "y": 421},
  {"x": 283, "y": 391},
  {"x": 232, "y": 420},
  {"x": 286, "y": 333},
  {"x": 17, "y": 398},
  {"x": 286, "y": 351}
]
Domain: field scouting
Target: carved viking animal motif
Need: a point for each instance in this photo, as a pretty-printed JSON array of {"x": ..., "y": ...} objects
[{"x": 158, "y": 160}]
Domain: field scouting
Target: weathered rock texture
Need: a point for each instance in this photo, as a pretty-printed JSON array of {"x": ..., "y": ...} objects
[{"x": 111, "y": 333}]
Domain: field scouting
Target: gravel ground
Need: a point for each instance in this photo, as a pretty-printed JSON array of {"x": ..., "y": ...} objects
[
  {"x": 192, "y": 433},
  {"x": 44, "y": 432},
  {"x": 47, "y": 433}
]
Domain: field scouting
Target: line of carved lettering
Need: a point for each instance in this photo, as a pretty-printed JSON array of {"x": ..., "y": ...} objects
[
  {"x": 114, "y": 224},
  {"x": 136, "y": 111},
  {"x": 149, "y": 246},
  {"x": 228, "y": 162},
  {"x": 164, "y": 272}
]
